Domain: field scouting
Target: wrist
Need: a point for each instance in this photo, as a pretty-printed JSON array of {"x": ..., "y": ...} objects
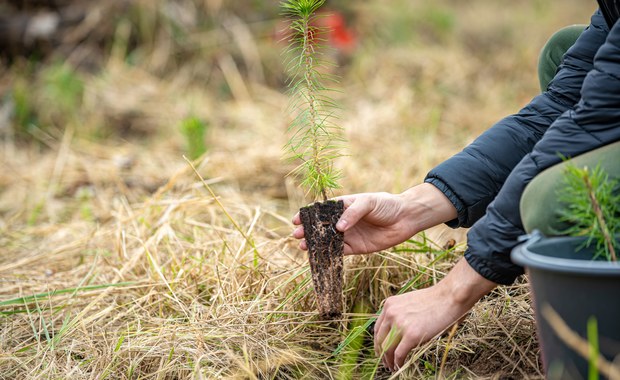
[
  {"x": 464, "y": 286},
  {"x": 426, "y": 206}
]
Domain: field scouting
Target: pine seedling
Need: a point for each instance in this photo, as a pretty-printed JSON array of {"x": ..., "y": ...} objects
[
  {"x": 62, "y": 90},
  {"x": 315, "y": 143},
  {"x": 591, "y": 208},
  {"x": 194, "y": 129},
  {"x": 315, "y": 140},
  {"x": 23, "y": 107}
]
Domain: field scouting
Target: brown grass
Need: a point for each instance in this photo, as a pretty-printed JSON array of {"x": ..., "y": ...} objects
[{"x": 139, "y": 272}]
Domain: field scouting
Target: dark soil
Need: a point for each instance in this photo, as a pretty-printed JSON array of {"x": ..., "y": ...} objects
[{"x": 325, "y": 252}]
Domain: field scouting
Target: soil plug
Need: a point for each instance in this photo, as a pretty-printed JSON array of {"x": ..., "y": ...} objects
[{"x": 325, "y": 252}]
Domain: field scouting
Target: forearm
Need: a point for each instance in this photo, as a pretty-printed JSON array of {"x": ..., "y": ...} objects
[{"x": 425, "y": 206}]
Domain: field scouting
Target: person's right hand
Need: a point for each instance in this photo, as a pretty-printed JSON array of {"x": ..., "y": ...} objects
[
  {"x": 371, "y": 222},
  {"x": 375, "y": 221}
]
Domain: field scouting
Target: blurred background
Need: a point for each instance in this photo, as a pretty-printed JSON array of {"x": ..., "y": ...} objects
[{"x": 169, "y": 78}]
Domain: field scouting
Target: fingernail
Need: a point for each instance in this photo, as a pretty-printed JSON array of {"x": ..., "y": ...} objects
[{"x": 342, "y": 225}]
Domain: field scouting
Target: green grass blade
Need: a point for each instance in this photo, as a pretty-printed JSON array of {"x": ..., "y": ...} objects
[
  {"x": 593, "y": 348},
  {"x": 35, "y": 297}
]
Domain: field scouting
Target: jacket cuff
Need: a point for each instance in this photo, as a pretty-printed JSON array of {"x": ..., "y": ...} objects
[
  {"x": 485, "y": 268},
  {"x": 453, "y": 198}
]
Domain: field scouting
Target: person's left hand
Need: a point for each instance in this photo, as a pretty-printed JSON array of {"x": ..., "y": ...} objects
[{"x": 411, "y": 319}]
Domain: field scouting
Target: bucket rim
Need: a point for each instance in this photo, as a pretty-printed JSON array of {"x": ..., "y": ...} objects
[{"x": 522, "y": 255}]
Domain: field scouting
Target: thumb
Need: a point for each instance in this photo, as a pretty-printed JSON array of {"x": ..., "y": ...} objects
[{"x": 359, "y": 208}]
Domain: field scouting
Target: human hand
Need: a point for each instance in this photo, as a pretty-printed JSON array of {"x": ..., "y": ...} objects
[
  {"x": 370, "y": 222},
  {"x": 411, "y": 319},
  {"x": 375, "y": 221}
]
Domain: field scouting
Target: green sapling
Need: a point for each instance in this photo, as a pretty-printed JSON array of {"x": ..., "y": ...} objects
[
  {"x": 315, "y": 140},
  {"x": 315, "y": 143},
  {"x": 591, "y": 208},
  {"x": 194, "y": 129}
]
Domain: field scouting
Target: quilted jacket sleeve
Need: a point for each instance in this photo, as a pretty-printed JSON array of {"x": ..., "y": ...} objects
[
  {"x": 472, "y": 178},
  {"x": 592, "y": 123}
]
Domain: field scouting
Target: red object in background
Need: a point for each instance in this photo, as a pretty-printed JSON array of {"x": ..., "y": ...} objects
[
  {"x": 334, "y": 31},
  {"x": 338, "y": 35}
]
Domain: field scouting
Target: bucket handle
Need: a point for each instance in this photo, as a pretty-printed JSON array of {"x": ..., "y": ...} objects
[{"x": 531, "y": 238}]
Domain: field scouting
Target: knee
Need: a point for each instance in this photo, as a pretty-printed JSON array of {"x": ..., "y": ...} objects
[
  {"x": 553, "y": 51},
  {"x": 539, "y": 205}
]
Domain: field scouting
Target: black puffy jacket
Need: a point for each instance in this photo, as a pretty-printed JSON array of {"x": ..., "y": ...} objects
[{"x": 579, "y": 112}]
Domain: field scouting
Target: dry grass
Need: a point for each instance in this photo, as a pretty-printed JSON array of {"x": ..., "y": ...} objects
[{"x": 116, "y": 263}]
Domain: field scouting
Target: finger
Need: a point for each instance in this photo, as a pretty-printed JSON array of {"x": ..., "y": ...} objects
[
  {"x": 388, "y": 358},
  {"x": 303, "y": 245},
  {"x": 378, "y": 324},
  {"x": 346, "y": 199},
  {"x": 389, "y": 346},
  {"x": 297, "y": 219},
  {"x": 402, "y": 350},
  {"x": 381, "y": 334},
  {"x": 298, "y": 233},
  {"x": 360, "y": 207}
]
